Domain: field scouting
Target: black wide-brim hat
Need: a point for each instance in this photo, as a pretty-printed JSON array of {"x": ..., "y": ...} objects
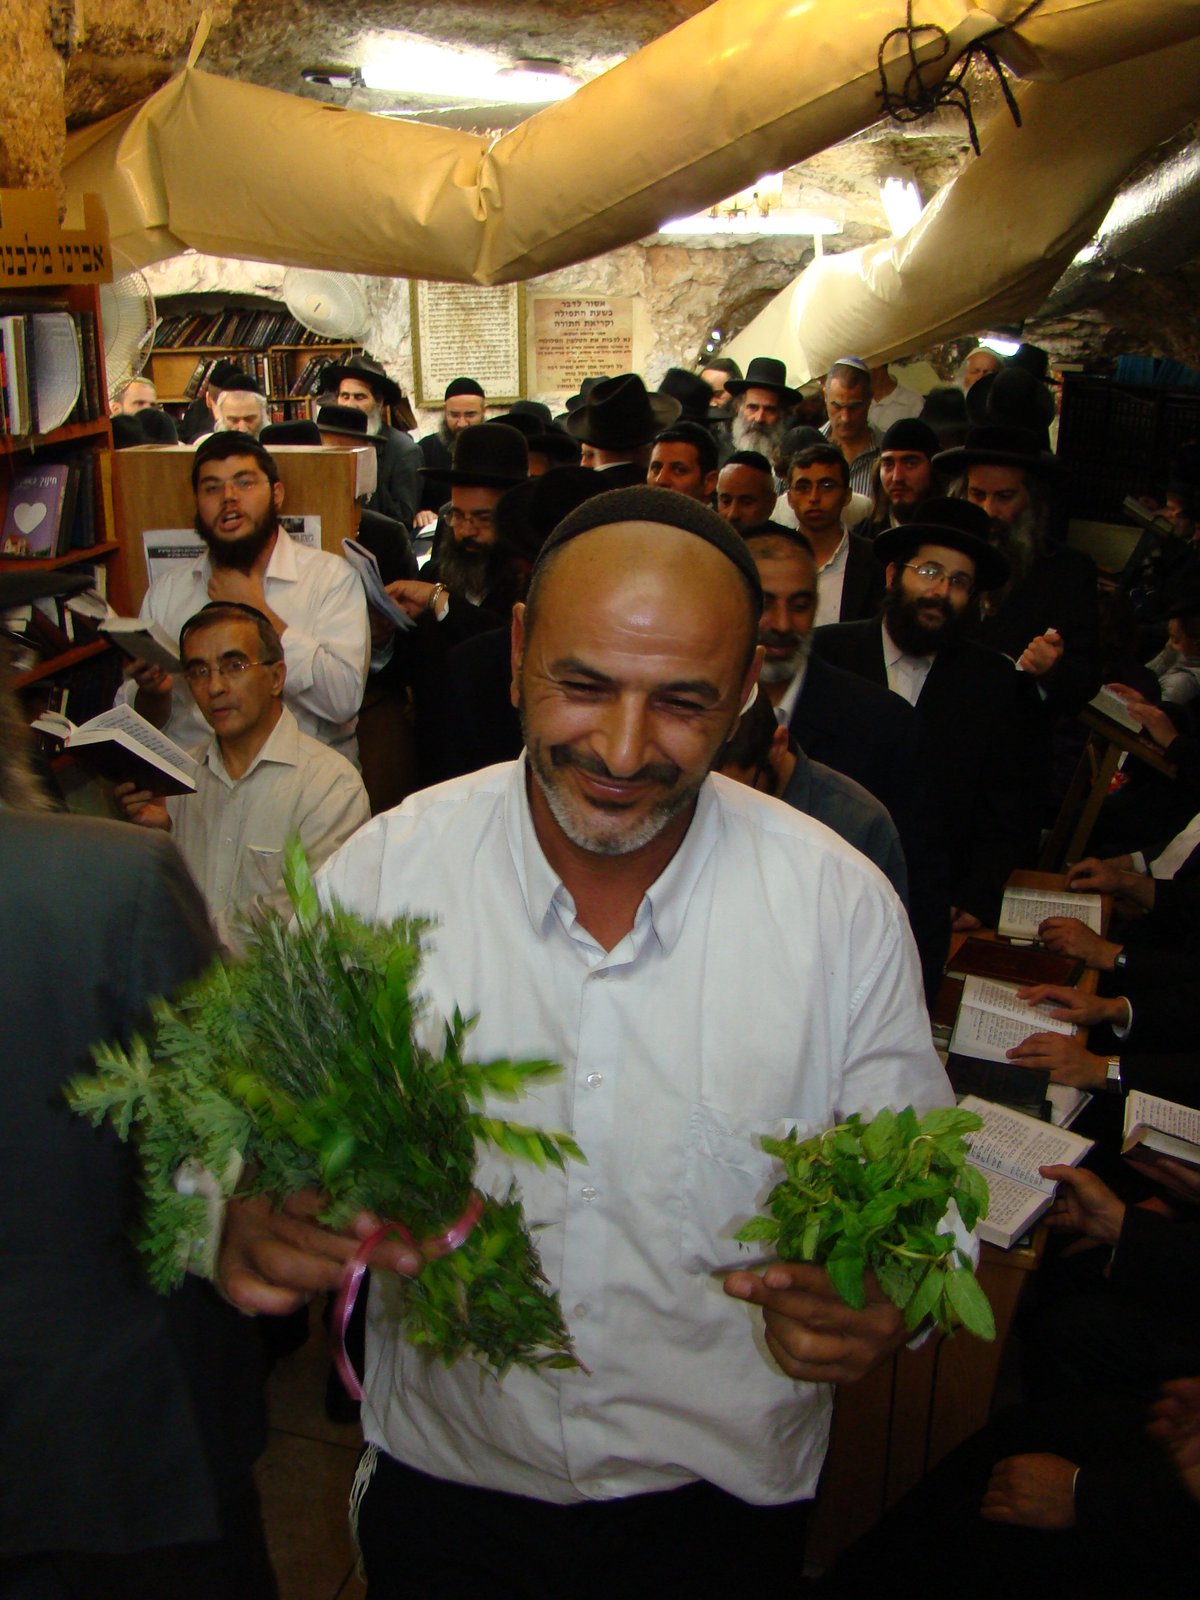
[
  {"x": 765, "y": 372},
  {"x": 347, "y": 420},
  {"x": 999, "y": 445},
  {"x": 620, "y": 414},
  {"x": 295, "y": 432},
  {"x": 541, "y": 435},
  {"x": 491, "y": 455},
  {"x": 692, "y": 392},
  {"x": 527, "y": 514},
  {"x": 367, "y": 371},
  {"x": 955, "y": 524}
]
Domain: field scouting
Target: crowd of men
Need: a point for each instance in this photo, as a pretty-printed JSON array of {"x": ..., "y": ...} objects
[{"x": 856, "y": 605}]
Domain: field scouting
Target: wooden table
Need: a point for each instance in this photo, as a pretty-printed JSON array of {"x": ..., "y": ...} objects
[{"x": 1106, "y": 743}]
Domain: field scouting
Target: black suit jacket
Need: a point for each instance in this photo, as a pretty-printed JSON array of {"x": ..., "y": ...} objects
[
  {"x": 863, "y": 583},
  {"x": 121, "y": 1411},
  {"x": 1059, "y": 592},
  {"x": 984, "y": 781},
  {"x": 870, "y": 734}
]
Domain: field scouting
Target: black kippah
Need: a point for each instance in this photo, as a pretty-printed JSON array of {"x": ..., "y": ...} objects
[{"x": 644, "y": 504}]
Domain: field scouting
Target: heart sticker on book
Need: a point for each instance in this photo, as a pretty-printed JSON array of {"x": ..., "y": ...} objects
[{"x": 28, "y": 517}]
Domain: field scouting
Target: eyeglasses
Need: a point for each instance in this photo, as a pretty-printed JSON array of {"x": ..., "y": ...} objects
[
  {"x": 931, "y": 572},
  {"x": 483, "y": 520},
  {"x": 230, "y": 669}
]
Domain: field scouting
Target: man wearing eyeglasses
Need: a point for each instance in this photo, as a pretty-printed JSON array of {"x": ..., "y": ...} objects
[
  {"x": 258, "y": 780},
  {"x": 983, "y": 791},
  {"x": 313, "y": 600}
]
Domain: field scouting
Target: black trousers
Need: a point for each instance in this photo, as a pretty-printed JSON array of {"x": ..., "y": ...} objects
[
  {"x": 236, "y": 1567},
  {"x": 421, "y": 1536}
]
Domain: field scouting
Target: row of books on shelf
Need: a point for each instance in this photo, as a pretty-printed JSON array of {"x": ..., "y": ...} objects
[
  {"x": 52, "y": 507},
  {"x": 49, "y": 369},
  {"x": 269, "y": 371},
  {"x": 53, "y": 624},
  {"x": 254, "y": 329}
]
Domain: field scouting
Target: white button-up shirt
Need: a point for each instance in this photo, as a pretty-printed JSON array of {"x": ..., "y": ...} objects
[
  {"x": 831, "y": 580},
  {"x": 326, "y": 646},
  {"x": 232, "y": 831},
  {"x": 905, "y": 674},
  {"x": 769, "y": 981}
]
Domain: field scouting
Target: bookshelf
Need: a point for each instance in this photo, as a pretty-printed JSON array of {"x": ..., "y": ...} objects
[
  {"x": 52, "y": 271},
  {"x": 264, "y": 339}
]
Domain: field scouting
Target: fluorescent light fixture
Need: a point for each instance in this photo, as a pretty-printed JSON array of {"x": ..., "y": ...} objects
[
  {"x": 1002, "y": 347},
  {"x": 414, "y": 66},
  {"x": 901, "y": 201},
  {"x": 777, "y": 222}
]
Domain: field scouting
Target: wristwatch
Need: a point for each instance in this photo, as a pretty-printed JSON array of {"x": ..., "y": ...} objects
[{"x": 1112, "y": 1077}]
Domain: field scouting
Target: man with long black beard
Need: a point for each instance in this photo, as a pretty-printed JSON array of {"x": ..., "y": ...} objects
[
  {"x": 983, "y": 798},
  {"x": 1046, "y": 617},
  {"x": 313, "y": 600}
]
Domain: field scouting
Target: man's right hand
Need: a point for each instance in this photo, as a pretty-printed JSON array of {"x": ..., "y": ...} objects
[
  {"x": 275, "y": 1261},
  {"x": 424, "y": 519},
  {"x": 141, "y": 806},
  {"x": 1133, "y": 890},
  {"x": 1072, "y": 1005},
  {"x": 154, "y": 687}
]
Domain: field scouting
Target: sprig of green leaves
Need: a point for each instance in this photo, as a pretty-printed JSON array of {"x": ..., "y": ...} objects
[
  {"x": 872, "y": 1197},
  {"x": 304, "y": 1060}
]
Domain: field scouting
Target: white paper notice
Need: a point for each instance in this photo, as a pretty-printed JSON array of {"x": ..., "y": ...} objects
[{"x": 166, "y": 547}]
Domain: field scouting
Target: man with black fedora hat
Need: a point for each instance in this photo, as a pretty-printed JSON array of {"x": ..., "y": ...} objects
[
  {"x": 470, "y": 583},
  {"x": 464, "y": 405},
  {"x": 362, "y": 383},
  {"x": 619, "y": 420},
  {"x": 549, "y": 445},
  {"x": 983, "y": 798},
  {"x": 761, "y": 401},
  {"x": 1046, "y": 616}
]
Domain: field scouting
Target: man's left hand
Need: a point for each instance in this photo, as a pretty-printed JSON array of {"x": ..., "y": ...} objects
[
  {"x": 1035, "y": 1491},
  {"x": 1065, "y": 1057},
  {"x": 811, "y": 1331},
  {"x": 1042, "y": 655},
  {"x": 1068, "y": 936}
]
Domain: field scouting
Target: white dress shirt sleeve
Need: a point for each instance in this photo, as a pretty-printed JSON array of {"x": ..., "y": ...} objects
[{"x": 327, "y": 667}]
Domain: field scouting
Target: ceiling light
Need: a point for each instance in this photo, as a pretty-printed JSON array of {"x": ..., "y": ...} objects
[
  {"x": 777, "y": 222},
  {"x": 332, "y": 77},
  {"x": 414, "y": 66},
  {"x": 901, "y": 201},
  {"x": 1002, "y": 347}
]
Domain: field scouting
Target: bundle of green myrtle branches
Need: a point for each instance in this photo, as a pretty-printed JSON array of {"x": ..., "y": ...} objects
[
  {"x": 873, "y": 1197},
  {"x": 299, "y": 1067}
]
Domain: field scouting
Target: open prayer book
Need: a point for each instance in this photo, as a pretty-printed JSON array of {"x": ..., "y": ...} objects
[
  {"x": 1111, "y": 705},
  {"x": 364, "y": 563},
  {"x": 1008, "y": 1150},
  {"x": 122, "y": 746},
  {"x": 1162, "y": 1125},
  {"x": 990, "y": 1021},
  {"x": 1022, "y": 911}
]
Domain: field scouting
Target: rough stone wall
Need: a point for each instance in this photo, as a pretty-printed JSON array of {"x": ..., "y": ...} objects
[
  {"x": 33, "y": 122},
  {"x": 683, "y": 291}
]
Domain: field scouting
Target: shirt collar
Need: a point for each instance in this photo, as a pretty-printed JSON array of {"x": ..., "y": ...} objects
[
  {"x": 667, "y": 899},
  {"x": 281, "y": 566},
  {"x": 282, "y": 747}
]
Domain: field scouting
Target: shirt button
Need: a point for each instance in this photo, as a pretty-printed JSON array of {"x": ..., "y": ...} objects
[
  {"x": 581, "y": 1412},
  {"x": 580, "y": 1310},
  {"x": 594, "y": 1080},
  {"x": 603, "y": 972},
  {"x": 588, "y": 1192}
]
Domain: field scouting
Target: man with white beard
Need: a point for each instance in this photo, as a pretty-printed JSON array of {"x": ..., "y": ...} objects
[
  {"x": 363, "y": 384},
  {"x": 762, "y": 401}
]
